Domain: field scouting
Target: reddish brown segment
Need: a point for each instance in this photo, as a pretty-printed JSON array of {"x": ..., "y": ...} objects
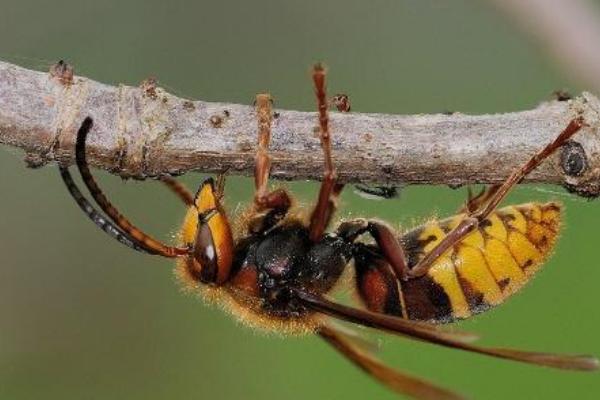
[
  {"x": 330, "y": 190},
  {"x": 474, "y": 203},
  {"x": 181, "y": 191},
  {"x": 378, "y": 286},
  {"x": 385, "y": 237},
  {"x": 246, "y": 280},
  {"x": 263, "y": 161},
  {"x": 269, "y": 207}
]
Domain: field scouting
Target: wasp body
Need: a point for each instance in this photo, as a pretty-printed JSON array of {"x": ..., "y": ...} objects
[{"x": 277, "y": 269}]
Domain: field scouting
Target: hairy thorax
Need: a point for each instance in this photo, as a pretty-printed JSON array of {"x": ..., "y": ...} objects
[{"x": 268, "y": 268}]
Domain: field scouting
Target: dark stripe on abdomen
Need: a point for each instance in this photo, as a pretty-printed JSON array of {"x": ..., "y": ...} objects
[{"x": 425, "y": 300}]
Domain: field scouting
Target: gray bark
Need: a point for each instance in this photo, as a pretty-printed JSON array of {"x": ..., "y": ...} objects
[{"x": 142, "y": 132}]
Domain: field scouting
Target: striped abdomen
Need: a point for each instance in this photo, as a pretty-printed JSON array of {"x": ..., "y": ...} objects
[{"x": 485, "y": 268}]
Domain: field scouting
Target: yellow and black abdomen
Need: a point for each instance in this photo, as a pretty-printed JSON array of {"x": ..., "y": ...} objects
[{"x": 485, "y": 268}]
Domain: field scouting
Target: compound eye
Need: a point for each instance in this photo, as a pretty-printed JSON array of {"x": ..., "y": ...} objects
[{"x": 205, "y": 265}]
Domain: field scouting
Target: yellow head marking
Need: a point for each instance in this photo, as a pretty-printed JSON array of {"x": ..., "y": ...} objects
[
  {"x": 205, "y": 198},
  {"x": 187, "y": 235}
]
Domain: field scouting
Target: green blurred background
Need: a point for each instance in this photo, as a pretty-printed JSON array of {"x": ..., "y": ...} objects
[{"x": 82, "y": 317}]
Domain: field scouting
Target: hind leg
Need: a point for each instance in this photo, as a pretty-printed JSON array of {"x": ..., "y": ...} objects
[
  {"x": 385, "y": 237},
  {"x": 486, "y": 207},
  {"x": 179, "y": 189},
  {"x": 475, "y": 202}
]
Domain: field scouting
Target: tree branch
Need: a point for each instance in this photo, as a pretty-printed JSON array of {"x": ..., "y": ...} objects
[{"x": 146, "y": 132}]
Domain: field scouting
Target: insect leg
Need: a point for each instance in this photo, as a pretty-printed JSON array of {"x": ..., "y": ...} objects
[
  {"x": 377, "y": 284},
  {"x": 277, "y": 202},
  {"x": 150, "y": 244},
  {"x": 378, "y": 272},
  {"x": 386, "y": 240},
  {"x": 397, "y": 381},
  {"x": 474, "y": 202},
  {"x": 330, "y": 190},
  {"x": 262, "y": 167},
  {"x": 474, "y": 218},
  {"x": 179, "y": 189}
]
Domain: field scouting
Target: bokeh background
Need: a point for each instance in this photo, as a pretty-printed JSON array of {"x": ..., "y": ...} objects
[{"x": 82, "y": 317}]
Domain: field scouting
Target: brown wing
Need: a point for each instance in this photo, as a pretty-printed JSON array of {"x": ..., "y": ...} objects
[
  {"x": 397, "y": 381},
  {"x": 419, "y": 331}
]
